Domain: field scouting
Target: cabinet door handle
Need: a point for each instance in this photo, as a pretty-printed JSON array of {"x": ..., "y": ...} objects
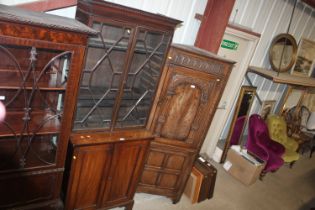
[{"x": 74, "y": 157}]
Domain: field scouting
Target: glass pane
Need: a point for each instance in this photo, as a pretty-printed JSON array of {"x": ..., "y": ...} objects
[
  {"x": 32, "y": 86},
  {"x": 27, "y": 151},
  {"x": 101, "y": 77},
  {"x": 142, "y": 79}
]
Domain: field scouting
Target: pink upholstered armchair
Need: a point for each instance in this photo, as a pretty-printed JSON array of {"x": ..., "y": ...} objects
[{"x": 260, "y": 144}]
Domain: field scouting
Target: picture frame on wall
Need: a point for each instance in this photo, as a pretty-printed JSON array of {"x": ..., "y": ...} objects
[
  {"x": 304, "y": 65},
  {"x": 267, "y": 108}
]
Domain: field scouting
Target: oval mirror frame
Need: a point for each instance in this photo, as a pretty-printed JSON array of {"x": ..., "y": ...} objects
[{"x": 276, "y": 55}]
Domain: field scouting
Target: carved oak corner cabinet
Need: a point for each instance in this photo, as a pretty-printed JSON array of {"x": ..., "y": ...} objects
[
  {"x": 110, "y": 136},
  {"x": 193, "y": 82},
  {"x": 41, "y": 59}
]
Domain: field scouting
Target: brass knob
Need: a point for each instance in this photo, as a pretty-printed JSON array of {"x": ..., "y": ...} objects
[{"x": 74, "y": 157}]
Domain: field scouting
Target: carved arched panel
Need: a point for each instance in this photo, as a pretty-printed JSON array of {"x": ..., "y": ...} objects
[{"x": 181, "y": 106}]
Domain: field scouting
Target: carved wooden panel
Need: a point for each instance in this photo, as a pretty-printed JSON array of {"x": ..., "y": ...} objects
[
  {"x": 188, "y": 96},
  {"x": 198, "y": 64},
  {"x": 183, "y": 101},
  {"x": 166, "y": 169}
]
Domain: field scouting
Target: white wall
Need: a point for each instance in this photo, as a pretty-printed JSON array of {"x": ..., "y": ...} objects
[
  {"x": 269, "y": 18},
  {"x": 13, "y": 2},
  {"x": 183, "y": 10}
]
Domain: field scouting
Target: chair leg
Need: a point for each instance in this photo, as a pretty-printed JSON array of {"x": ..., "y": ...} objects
[
  {"x": 262, "y": 175},
  {"x": 312, "y": 150}
]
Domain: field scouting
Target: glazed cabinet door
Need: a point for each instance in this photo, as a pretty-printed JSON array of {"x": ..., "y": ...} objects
[
  {"x": 33, "y": 83},
  {"x": 142, "y": 77},
  {"x": 185, "y": 98},
  {"x": 127, "y": 163},
  {"x": 90, "y": 166}
]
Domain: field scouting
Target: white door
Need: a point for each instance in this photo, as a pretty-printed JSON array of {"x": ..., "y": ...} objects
[{"x": 238, "y": 46}]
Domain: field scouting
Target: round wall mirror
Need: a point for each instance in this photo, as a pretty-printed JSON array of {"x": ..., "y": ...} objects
[{"x": 282, "y": 52}]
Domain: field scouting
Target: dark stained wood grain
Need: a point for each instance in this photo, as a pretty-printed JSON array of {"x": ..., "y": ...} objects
[
  {"x": 182, "y": 108},
  {"x": 89, "y": 169},
  {"x": 105, "y": 175},
  {"x": 193, "y": 82},
  {"x": 129, "y": 144},
  {"x": 126, "y": 14},
  {"x": 36, "y": 183}
]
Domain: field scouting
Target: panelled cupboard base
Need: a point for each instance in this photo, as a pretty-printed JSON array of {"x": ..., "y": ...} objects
[
  {"x": 105, "y": 169},
  {"x": 166, "y": 170}
]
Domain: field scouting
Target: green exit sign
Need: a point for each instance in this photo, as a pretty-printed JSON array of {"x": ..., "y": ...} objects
[{"x": 228, "y": 44}]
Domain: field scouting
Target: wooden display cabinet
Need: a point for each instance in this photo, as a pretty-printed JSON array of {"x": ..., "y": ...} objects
[
  {"x": 122, "y": 69},
  {"x": 41, "y": 59},
  {"x": 192, "y": 84}
]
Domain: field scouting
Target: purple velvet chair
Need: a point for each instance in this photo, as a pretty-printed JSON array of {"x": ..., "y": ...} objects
[
  {"x": 237, "y": 130},
  {"x": 260, "y": 144}
]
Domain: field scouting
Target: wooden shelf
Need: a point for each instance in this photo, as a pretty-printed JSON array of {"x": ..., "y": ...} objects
[
  {"x": 15, "y": 120},
  {"x": 4, "y": 87},
  {"x": 283, "y": 78},
  {"x": 11, "y": 79}
]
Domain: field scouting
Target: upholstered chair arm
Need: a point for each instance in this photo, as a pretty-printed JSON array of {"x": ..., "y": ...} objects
[{"x": 292, "y": 144}]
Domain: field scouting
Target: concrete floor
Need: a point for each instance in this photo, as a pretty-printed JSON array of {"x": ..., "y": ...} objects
[{"x": 287, "y": 189}]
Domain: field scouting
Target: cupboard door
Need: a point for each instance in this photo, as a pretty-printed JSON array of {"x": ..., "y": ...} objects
[
  {"x": 166, "y": 169},
  {"x": 90, "y": 166},
  {"x": 185, "y": 98},
  {"x": 127, "y": 163}
]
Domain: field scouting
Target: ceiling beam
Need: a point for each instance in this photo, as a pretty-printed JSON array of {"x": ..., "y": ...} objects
[{"x": 213, "y": 24}]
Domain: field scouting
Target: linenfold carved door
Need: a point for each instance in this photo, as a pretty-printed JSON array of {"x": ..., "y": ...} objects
[{"x": 183, "y": 102}]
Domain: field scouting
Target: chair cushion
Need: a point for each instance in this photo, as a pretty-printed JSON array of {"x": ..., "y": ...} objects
[{"x": 290, "y": 156}]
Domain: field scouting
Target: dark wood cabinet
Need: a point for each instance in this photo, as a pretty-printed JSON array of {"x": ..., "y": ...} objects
[
  {"x": 105, "y": 169},
  {"x": 192, "y": 85},
  {"x": 123, "y": 66},
  {"x": 41, "y": 60}
]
